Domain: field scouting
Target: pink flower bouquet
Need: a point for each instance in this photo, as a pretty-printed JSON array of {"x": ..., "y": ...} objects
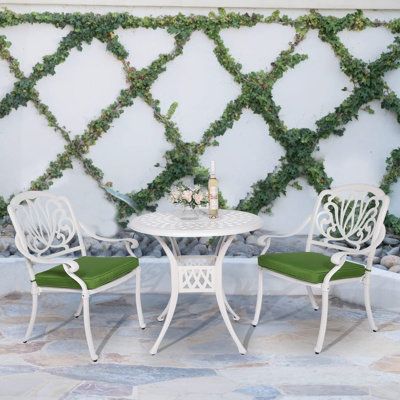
[{"x": 188, "y": 196}]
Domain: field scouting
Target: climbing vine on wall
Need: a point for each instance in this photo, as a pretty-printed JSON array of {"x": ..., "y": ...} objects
[{"x": 256, "y": 94}]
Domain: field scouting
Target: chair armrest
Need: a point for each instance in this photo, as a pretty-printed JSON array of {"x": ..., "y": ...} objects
[
  {"x": 265, "y": 240},
  {"x": 339, "y": 258},
  {"x": 70, "y": 266},
  {"x": 133, "y": 242},
  {"x": 46, "y": 260}
]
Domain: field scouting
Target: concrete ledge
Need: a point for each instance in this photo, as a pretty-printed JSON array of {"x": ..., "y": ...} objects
[{"x": 385, "y": 291}]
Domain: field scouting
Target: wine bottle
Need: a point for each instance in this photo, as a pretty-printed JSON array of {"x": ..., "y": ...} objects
[{"x": 212, "y": 193}]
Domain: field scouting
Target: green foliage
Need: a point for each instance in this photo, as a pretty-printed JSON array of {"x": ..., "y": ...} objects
[
  {"x": 3, "y": 207},
  {"x": 392, "y": 174},
  {"x": 183, "y": 159},
  {"x": 172, "y": 110},
  {"x": 393, "y": 223}
]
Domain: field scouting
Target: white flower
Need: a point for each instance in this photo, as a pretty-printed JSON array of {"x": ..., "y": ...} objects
[
  {"x": 198, "y": 198},
  {"x": 187, "y": 195},
  {"x": 175, "y": 195}
]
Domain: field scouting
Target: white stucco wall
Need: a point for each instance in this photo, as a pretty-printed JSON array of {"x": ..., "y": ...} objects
[{"x": 90, "y": 80}]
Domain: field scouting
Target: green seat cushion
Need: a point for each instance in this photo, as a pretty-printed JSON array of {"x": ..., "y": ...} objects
[
  {"x": 94, "y": 271},
  {"x": 309, "y": 267}
]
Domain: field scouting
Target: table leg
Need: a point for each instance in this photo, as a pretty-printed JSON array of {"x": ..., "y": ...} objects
[
  {"x": 229, "y": 308},
  {"x": 170, "y": 309},
  {"x": 161, "y": 317},
  {"x": 223, "y": 305},
  {"x": 175, "y": 247},
  {"x": 170, "y": 313},
  {"x": 176, "y": 252},
  {"x": 235, "y": 317},
  {"x": 219, "y": 292}
]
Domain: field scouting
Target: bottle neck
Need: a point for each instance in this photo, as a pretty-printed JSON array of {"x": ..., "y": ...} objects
[{"x": 212, "y": 169}]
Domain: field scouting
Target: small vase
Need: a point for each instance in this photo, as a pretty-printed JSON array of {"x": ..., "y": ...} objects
[{"x": 189, "y": 214}]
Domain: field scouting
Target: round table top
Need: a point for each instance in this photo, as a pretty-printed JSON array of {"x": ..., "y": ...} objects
[{"x": 229, "y": 222}]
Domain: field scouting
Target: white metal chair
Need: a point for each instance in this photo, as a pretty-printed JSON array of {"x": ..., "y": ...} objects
[
  {"x": 46, "y": 229},
  {"x": 349, "y": 219}
]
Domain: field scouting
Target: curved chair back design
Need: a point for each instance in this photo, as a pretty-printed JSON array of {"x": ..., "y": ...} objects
[
  {"x": 349, "y": 218},
  {"x": 45, "y": 225}
]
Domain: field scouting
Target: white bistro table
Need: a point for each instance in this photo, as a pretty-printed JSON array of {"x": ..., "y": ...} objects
[{"x": 196, "y": 274}]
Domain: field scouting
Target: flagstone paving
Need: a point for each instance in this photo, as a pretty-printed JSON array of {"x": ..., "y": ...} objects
[{"x": 197, "y": 359}]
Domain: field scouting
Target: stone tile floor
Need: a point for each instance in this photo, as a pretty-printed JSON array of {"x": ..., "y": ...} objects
[{"x": 197, "y": 359}]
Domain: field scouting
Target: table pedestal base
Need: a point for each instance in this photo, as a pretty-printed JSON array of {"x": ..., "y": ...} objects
[{"x": 197, "y": 274}]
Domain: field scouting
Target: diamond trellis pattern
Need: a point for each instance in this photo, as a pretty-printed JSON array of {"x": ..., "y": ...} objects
[
  {"x": 255, "y": 94},
  {"x": 367, "y": 160},
  {"x": 136, "y": 161},
  {"x": 309, "y": 80},
  {"x": 201, "y": 96},
  {"x": 193, "y": 279},
  {"x": 244, "y": 44},
  {"x": 80, "y": 82},
  {"x": 260, "y": 146},
  {"x": 30, "y": 132},
  {"x": 378, "y": 40},
  {"x": 145, "y": 45},
  {"x": 29, "y": 44}
]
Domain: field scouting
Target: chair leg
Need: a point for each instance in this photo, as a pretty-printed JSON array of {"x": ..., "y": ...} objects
[
  {"x": 33, "y": 315},
  {"x": 88, "y": 331},
  {"x": 367, "y": 301},
  {"x": 324, "y": 320},
  {"x": 79, "y": 310},
  {"x": 259, "y": 297},
  {"x": 312, "y": 298},
  {"x": 138, "y": 300}
]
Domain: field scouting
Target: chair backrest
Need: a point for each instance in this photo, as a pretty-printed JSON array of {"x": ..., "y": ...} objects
[
  {"x": 45, "y": 225},
  {"x": 349, "y": 218}
]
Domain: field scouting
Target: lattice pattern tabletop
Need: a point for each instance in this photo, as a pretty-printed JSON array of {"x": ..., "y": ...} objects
[{"x": 229, "y": 222}]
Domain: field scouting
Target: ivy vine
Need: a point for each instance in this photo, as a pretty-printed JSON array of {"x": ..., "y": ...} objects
[{"x": 256, "y": 94}]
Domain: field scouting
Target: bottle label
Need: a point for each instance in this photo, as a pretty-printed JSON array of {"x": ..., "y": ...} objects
[{"x": 214, "y": 198}]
